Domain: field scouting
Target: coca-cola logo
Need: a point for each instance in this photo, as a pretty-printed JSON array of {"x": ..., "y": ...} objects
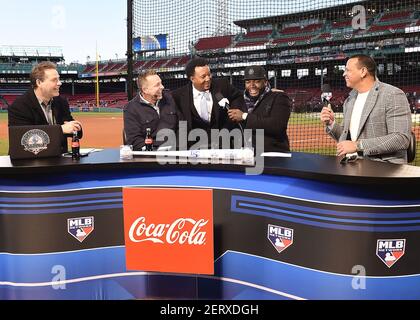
[
  {"x": 181, "y": 231},
  {"x": 174, "y": 236}
]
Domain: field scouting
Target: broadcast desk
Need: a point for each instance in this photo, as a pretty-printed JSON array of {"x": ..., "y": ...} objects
[{"x": 341, "y": 217}]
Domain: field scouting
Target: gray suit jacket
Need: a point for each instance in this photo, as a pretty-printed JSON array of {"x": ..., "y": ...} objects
[{"x": 385, "y": 125}]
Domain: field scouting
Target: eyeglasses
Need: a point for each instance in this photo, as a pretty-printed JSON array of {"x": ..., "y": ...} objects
[{"x": 348, "y": 159}]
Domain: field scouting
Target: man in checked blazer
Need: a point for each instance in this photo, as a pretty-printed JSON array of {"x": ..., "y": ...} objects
[{"x": 377, "y": 117}]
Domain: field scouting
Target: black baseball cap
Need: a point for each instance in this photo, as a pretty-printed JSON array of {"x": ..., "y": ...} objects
[{"x": 254, "y": 73}]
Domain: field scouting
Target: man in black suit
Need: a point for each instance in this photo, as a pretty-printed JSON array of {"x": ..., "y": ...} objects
[
  {"x": 42, "y": 105},
  {"x": 198, "y": 102},
  {"x": 267, "y": 110}
]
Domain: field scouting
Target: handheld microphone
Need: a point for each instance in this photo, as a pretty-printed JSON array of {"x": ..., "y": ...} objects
[
  {"x": 222, "y": 101},
  {"x": 326, "y": 96},
  {"x": 224, "y": 104}
]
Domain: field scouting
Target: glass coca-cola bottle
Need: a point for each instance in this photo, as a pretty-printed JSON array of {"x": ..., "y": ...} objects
[
  {"x": 148, "y": 141},
  {"x": 75, "y": 146}
]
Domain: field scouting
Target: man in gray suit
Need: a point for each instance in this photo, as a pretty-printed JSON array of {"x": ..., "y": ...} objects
[{"x": 377, "y": 117}]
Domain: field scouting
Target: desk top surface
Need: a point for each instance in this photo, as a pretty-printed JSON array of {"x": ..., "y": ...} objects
[{"x": 302, "y": 165}]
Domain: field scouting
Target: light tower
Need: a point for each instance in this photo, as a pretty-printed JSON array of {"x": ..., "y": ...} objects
[{"x": 222, "y": 17}]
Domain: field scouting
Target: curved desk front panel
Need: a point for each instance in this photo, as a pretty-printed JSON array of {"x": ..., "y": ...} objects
[{"x": 329, "y": 237}]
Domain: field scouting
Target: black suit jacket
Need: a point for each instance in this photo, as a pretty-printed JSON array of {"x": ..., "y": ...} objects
[
  {"x": 26, "y": 111},
  {"x": 185, "y": 105},
  {"x": 272, "y": 114},
  {"x": 138, "y": 116}
]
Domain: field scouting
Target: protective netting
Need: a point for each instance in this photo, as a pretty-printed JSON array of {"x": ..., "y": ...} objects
[{"x": 302, "y": 44}]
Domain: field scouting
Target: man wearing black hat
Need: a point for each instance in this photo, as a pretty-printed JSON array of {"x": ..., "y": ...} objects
[{"x": 267, "y": 110}]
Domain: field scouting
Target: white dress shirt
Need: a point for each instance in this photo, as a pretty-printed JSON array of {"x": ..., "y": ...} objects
[
  {"x": 357, "y": 114},
  {"x": 156, "y": 107}
]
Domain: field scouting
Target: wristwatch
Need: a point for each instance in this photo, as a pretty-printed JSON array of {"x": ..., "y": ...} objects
[
  {"x": 359, "y": 148},
  {"x": 244, "y": 116}
]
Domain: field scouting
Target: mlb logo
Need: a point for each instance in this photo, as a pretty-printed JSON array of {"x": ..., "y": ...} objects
[
  {"x": 280, "y": 237},
  {"x": 80, "y": 228},
  {"x": 390, "y": 250}
]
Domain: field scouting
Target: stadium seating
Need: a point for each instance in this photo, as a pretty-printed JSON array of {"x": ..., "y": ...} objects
[
  {"x": 397, "y": 15},
  {"x": 112, "y": 68},
  {"x": 300, "y": 36},
  {"x": 159, "y": 63},
  {"x": 183, "y": 60},
  {"x": 213, "y": 43},
  {"x": 110, "y": 100},
  {"x": 389, "y": 27},
  {"x": 254, "y": 38},
  {"x": 258, "y": 34},
  {"x": 89, "y": 68},
  {"x": 10, "y": 98},
  {"x": 107, "y": 67},
  {"x": 118, "y": 66},
  {"x": 342, "y": 24},
  {"x": 148, "y": 64},
  {"x": 306, "y": 33},
  {"x": 292, "y": 39},
  {"x": 250, "y": 43},
  {"x": 137, "y": 65},
  {"x": 173, "y": 62},
  {"x": 301, "y": 29}
]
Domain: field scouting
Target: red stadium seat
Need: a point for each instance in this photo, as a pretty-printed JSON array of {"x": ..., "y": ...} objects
[
  {"x": 395, "y": 16},
  {"x": 258, "y": 34},
  {"x": 213, "y": 43}
]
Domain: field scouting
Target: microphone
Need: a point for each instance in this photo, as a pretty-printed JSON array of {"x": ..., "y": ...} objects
[
  {"x": 326, "y": 96},
  {"x": 224, "y": 104},
  {"x": 222, "y": 101}
]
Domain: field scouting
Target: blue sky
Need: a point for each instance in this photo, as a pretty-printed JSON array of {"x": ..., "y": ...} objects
[{"x": 75, "y": 25}]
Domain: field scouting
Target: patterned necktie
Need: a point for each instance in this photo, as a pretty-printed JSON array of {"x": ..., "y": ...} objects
[{"x": 204, "y": 111}]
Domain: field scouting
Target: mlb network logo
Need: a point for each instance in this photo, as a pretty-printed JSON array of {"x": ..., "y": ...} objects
[
  {"x": 80, "y": 228},
  {"x": 280, "y": 237},
  {"x": 390, "y": 250}
]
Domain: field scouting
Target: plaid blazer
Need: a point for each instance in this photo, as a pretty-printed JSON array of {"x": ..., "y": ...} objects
[{"x": 385, "y": 124}]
